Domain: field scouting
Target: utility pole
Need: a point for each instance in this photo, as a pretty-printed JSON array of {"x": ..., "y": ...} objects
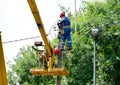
[
  {"x": 59, "y": 58},
  {"x": 59, "y": 66},
  {"x": 75, "y": 17}
]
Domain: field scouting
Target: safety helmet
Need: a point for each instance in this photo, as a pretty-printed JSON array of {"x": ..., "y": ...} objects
[{"x": 62, "y": 14}]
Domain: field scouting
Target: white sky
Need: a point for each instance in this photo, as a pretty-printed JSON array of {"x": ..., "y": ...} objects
[{"x": 17, "y": 22}]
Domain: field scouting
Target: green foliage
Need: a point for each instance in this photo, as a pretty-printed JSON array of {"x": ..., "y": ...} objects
[
  {"x": 12, "y": 78},
  {"x": 81, "y": 68},
  {"x": 105, "y": 17}
]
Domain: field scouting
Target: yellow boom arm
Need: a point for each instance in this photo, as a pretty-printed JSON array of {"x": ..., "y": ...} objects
[
  {"x": 38, "y": 20},
  {"x": 39, "y": 23}
]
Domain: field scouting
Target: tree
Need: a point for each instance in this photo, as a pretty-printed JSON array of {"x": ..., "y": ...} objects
[{"x": 101, "y": 15}]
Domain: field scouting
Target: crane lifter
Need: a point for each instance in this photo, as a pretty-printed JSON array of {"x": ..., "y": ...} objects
[{"x": 49, "y": 53}]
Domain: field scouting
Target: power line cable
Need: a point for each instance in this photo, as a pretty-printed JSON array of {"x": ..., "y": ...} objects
[
  {"x": 20, "y": 39},
  {"x": 53, "y": 26},
  {"x": 31, "y": 37}
]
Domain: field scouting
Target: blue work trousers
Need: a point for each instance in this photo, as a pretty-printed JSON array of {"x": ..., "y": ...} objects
[{"x": 66, "y": 36}]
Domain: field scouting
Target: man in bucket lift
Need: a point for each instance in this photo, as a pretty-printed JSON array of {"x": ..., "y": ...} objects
[{"x": 64, "y": 25}]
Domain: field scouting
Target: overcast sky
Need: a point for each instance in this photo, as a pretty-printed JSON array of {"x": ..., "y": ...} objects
[{"x": 17, "y": 22}]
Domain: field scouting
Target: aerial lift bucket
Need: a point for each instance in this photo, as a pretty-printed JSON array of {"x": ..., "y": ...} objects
[{"x": 52, "y": 72}]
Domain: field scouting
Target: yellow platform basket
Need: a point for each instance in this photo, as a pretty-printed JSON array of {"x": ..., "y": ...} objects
[{"x": 52, "y": 72}]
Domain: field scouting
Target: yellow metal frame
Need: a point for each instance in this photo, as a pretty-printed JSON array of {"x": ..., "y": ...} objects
[
  {"x": 3, "y": 74},
  {"x": 38, "y": 20},
  {"x": 52, "y": 72}
]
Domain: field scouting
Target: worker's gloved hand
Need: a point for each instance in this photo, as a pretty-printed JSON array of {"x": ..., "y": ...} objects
[
  {"x": 56, "y": 51},
  {"x": 58, "y": 22}
]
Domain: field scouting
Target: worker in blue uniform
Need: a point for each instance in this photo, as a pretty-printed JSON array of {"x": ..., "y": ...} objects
[{"x": 66, "y": 30}]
